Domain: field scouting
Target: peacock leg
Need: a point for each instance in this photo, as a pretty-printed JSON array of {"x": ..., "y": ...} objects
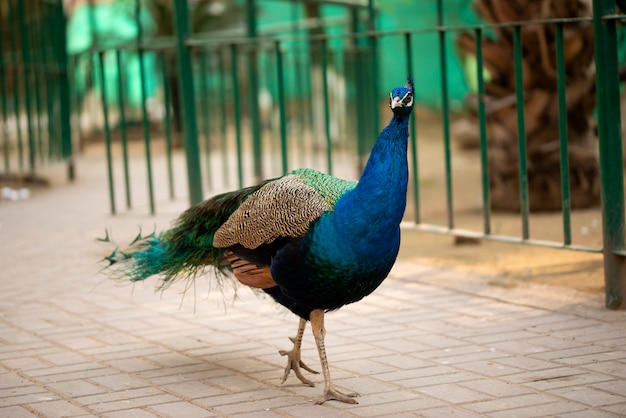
[
  {"x": 293, "y": 357},
  {"x": 330, "y": 393}
]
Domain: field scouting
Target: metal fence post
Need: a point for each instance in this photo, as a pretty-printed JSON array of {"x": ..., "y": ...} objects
[
  {"x": 190, "y": 129},
  {"x": 611, "y": 166},
  {"x": 28, "y": 76},
  {"x": 253, "y": 80},
  {"x": 64, "y": 92}
]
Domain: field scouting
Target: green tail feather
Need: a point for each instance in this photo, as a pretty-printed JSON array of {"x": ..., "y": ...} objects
[{"x": 184, "y": 251}]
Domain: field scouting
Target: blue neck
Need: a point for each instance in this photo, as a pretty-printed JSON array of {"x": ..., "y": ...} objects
[{"x": 373, "y": 210}]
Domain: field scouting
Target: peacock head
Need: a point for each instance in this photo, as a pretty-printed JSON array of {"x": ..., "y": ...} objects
[{"x": 401, "y": 99}]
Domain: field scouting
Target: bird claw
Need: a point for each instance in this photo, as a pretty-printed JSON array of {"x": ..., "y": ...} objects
[
  {"x": 332, "y": 394},
  {"x": 294, "y": 363}
]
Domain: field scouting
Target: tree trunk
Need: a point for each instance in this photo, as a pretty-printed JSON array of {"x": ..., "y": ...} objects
[{"x": 538, "y": 43}]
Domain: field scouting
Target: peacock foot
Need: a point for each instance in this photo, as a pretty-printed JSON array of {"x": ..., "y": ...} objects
[
  {"x": 296, "y": 364},
  {"x": 332, "y": 394}
]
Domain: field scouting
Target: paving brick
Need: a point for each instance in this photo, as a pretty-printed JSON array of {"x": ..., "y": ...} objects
[
  {"x": 613, "y": 368},
  {"x": 588, "y": 396},
  {"x": 448, "y": 411},
  {"x": 25, "y": 363},
  {"x": 496, "y": 388},
  {"x": 133, "y": 365},
  {"x": 488, "y": 368},
  {"x": 238, "y": 397},
  {"x": 396, "y": 407},
  {"x": 83, "y": 374},
  {"x": 58, "y": 408},
  {"x": 258, "y": 405},
  {"x": 575, "y": 355},
  {"x": 75, "y": 388},
  {"x": 557, "y": 378},
  {"x": 617, "y": 386},
  {"x": 526, "y": 363},
  {"x": 587, "y": 414},
  {"x": 311, "y": 410},
  {"x": 194, "y": 389},
  {"x": 511, "y": 402},
  {"x": 56, "y": 370},
  {"x": 181, "y": 409},
  {"x": 106, "y": 353},
  {"x": 16, "y": 412},
  {"x": 453, "y": 393},
  {"x": 63, "y": 358},
  {"x": 132, "y": 403},
  {"x": 30, "y": 397},
  {"x": 11, "y": 380},
  {"x": 11, "y": 392},
  {"x": 574, "y": 326},
  {"x": 118, "y": 381},
  {"x": 450, "y": 376},
  {"x": 617, "y": 409},
  {"x": 260, "y": 414},
  {"x": 551, "y": 342},
  {"x": 129, "y": 413},
  {"x": 546, "y": 410}
]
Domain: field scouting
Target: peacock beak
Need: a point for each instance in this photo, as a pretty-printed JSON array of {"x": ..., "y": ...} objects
[
  {"x": 404, "y": 101},
  {"x": 396, "y": 102}
]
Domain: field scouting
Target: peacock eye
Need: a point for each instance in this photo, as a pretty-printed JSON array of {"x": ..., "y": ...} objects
[{"x": 407, "y": 99}]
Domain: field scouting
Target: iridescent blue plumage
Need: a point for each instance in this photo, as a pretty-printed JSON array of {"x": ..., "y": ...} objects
[{"x": 312, "y": 241}]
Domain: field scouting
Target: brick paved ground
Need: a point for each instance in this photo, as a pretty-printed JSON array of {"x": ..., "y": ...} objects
[{"x": 431, "y": 342}]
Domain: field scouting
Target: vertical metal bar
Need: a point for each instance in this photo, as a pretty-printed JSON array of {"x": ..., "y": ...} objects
[
  {"x": 280, "y": 83},
  {"x": 373, "y": 47},
  {"x": 563, "y": 144},
  {"x": 445, "y": 110},
  {"x": 521, "y": 131},
  {"x": 168, "y": 125},
  {"x": 3, "y": 104},
  {"x": 223, "y": 113},
  {"x": 307, "y": 62},
  {"x": 49, "y": 80},
  {"x": 124, "y": 140},
  {"x": 52, "y": 84},
  {"x": 187, "y": 101},
  {"x": 39, "y": 68},
  {"x": 253, "y": 80},
  {"x": 611, "y": 165},
  {"x": 205, "y": 113},
  {"x": 234, "y": 68},
  {"x": 482, "y": 125},
  {"x": 408, "y": 48},
  {"x": 299, "y": 88},
  {"x": 144, "y": 109},
  {"x": 28, "y": 72},
  {"x": 16, "y": 85},
  {"x": 324, "y": 59},
  {"x": 107, "y": 131},
  {"x": 65, "y": 111}
]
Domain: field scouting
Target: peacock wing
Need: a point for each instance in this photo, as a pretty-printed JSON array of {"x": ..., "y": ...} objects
[{"x": 284, "y": 207}]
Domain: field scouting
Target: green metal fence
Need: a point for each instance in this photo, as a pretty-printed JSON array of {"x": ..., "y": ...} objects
[
  {"x": 34, "y": 90},
  {"x": 243, "y": 121}
]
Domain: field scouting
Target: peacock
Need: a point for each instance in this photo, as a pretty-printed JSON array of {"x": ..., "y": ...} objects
[{"x": 311, "y": 241}]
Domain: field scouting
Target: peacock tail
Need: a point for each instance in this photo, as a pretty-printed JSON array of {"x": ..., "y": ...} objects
[{"x": 183, "y": 251}]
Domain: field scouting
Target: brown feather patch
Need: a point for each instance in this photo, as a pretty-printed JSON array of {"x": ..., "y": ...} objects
[
  {"x": 281, "y": 208},
  {"x": 250, "y": 274}
]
